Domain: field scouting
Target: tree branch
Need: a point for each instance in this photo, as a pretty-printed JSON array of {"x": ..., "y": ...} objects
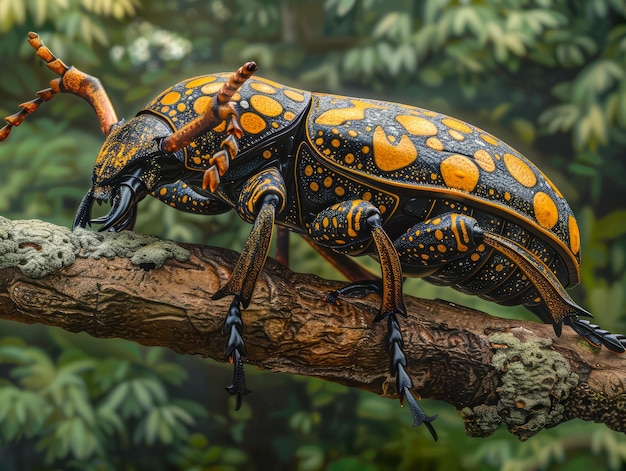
[{"x": 155, "y": 292}]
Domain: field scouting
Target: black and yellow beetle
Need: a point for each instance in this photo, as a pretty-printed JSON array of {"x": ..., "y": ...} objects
[{"x": 425, "y": 194}]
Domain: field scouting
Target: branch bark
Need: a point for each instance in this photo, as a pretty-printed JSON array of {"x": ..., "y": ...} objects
[{"x": 154, "y": 292}]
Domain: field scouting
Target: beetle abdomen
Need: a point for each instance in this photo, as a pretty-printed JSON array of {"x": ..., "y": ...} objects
[{"x": 413, "y": 150}]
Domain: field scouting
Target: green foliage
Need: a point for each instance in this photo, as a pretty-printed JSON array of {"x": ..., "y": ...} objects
[{"x": 548, "y": 76}]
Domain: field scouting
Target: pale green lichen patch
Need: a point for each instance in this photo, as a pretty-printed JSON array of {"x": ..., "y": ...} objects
[
  {"x": 35, "y": 247},
  {"x": 39, "y": 248},
  {"x": 141, "y": 249},
  {"x": 534, "y": 380}
]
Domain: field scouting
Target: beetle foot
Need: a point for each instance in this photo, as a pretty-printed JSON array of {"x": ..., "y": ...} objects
[
  {"x": 357, "y": 289},
  {"x": 238, "y": 386},
  {"x": 404, "y": 385},
  {"x": 236, "y": 350},
  {"x": 597, "y": 336}
]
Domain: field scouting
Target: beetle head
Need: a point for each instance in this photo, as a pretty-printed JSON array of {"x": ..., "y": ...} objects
[{"x": 130, "y": 165}]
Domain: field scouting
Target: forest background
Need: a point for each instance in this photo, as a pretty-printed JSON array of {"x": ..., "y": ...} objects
[{"x": 546, "y": 76}]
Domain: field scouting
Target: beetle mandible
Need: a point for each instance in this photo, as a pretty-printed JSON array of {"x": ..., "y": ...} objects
[{"x": 425, "y": 194}]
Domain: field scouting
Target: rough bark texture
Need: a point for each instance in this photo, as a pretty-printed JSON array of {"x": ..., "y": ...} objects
[{"x": 155, "y": 292}]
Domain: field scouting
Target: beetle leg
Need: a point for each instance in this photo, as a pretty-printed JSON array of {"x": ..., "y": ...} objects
[
  {"x": 361, "y": 222},
  {"x": 72, "y": 81},
  {"x": 261, "y": 198},
  {"x": 555, "y": 299}
]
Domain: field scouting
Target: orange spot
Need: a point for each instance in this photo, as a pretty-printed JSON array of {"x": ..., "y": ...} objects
[
  {"x": 520, "y": 170},
  {"x": 181, "y": 107},
  {"x": 170, "y": 98},
  {"x": 308, "y": 170},
  {"x": 434, "y": 143},
  {"x": 252, "y": 123},
  {"x": 546, "y": 211},
  {"x": 295, "y": 96},
  {"x": 335, "y": 143},
  {"x": 574, "y": 234},
  {"x": 265, "y": 105},
  {"x": 338, "y": 116},
  {"x": 456, "y": 135},
  {"x": 267, "y": 153},
  {"x": 389, "y": 157},
  {"x": 198, "y": 82},
  {"x": 457, "y": 125},
  {"x": 484, "y": 160},
  {"x": 289, "y": 115},
  {"x": 211, "y": 88},
  {"x": 202, "y": 104},
  {"x": 262, "y": 87},
  {"x": 328, "y": 181},
  {"x": 460, "y": 172},
  {"x": 417, "y": 126},
  {"x": 352, "y": 133},
  {"x": 349, "y": 158},
  {"x": 475, "y": 257},
  {"x": 314, "y": 186},
  {"x": 339, "y": 191},
  {"x": 489, "y": 139}
]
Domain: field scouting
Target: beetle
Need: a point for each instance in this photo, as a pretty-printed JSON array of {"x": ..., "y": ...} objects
[{"x": 425, "y": 194}]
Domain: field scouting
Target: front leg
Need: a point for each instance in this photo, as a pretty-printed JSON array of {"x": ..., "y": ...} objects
[
  {"x": 350, "y": 227},
  {"x": 261, "y": 199}
]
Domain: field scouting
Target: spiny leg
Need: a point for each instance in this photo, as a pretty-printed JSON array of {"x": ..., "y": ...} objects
[
  {"x": 268, "y": 190},
  {"x": 363, "y": 221},
  {"x": 556, "y": 301}
]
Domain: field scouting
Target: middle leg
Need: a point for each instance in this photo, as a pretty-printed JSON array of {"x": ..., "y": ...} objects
[{"x": 349, "y": 227}]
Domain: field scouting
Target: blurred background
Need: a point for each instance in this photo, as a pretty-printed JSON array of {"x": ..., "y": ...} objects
[{"x": 546, "y": 76}]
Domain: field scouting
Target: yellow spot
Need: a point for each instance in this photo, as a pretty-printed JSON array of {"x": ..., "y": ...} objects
[
  {"x": 507, "y": 196},
  {"x": 325, "y": 222},
  {"x": 546, "y": 212},
  {"x": 484, "y": 160},
  {"x": 456, "y": 125},
  {"x": 198, "y": 82},
  {"x": 165, "y": 109},
  {"x": 163, "y": 191},
  {"x": 337, "y": 116},
  {"x": 319, "y": 141},
  {"x": 432, "y": 114},
  {"x": 170, "y": 98},
  {"x": 389, "y": 157},
  {"x": 335, "y": 143},
  {"x": 308, "y": 170},
  {"x": 211, "y": 88},
  {"x": 460, "y": 172},
  {"x": 289, "y": 115},
  {"x": 185, "y": 199},
  {"x": 489, "y": 139},
  {"x": 349, "y": 158},
  {"x": 295, "y": 96},
  {"x": 172, "y": 113},
  {"x": 352, "y": 133},
  {"x": 252, "y": 123},
  {"x": 574, "y": 235},
  {"x": 181, "y": 107},
  {"x": 520, "y": 170},
  {"x": 434, "y": 143},
  {"x": 335, "y": 131},
  {"x": 439, "y": 234},
  {"x": 202, "y": 104},
  {"x": 456, "y": 135},
  {"x": 266, "y": 105},
  {"x": 262, "y": 87},
  {"x": 417, "y": 126}
]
